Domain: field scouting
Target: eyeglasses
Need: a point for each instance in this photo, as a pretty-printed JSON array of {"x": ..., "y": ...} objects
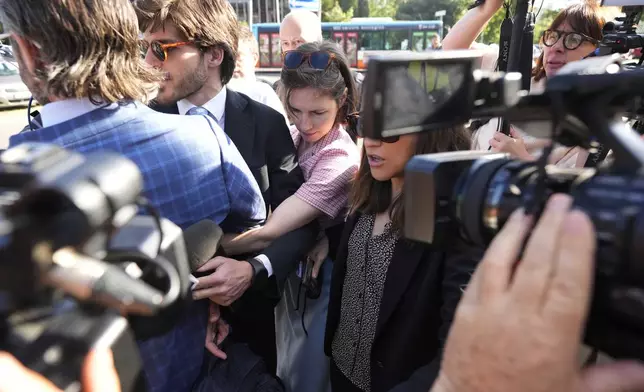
[
  {"x": 159, "y": 50},
  {"x": 571, "y": 40},
  {"x": 317, "y": 60}
]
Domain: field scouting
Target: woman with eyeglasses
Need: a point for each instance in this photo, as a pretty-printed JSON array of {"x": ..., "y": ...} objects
[
  {"x": 574, "y": 34},
  {"x": 319, "y": 94},
  {"x": 392, "y": 299}
]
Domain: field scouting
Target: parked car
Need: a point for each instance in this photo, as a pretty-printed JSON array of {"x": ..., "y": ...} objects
[
  {"x": 6, "y": 54},
  {"x": 13, "y": 92}
]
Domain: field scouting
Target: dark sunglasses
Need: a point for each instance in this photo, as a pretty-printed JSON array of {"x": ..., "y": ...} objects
[
  {"x": 317, "y": 60},
  {"x": 390, "y": 139},
  {"x": 571, "y": 40},
  {"x": 159, "y": 50}
]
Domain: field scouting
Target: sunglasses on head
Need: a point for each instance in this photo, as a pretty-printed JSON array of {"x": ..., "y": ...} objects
[
  {"x": 159, "y": 50},
  {"x": 317, "y": 60},
  {"x": 571, "y": 40}
]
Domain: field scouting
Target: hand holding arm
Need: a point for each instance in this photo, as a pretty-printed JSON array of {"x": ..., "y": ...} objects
[{"x": 293, "y": 213}]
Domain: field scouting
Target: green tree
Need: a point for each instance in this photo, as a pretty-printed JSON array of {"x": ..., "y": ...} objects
[
  {"x": 363, "y": 9},
  {"x": 544, "y": 20},
  {"x": 383, "y": 8},
  {"x": 348, "y": 4},
  {"x": 492, "y": 31},
  {"x": 425, "y": 10},
  {"x": 333, "y": 12}
]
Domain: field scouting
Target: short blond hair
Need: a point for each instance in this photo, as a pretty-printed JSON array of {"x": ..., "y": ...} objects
[{"x": 246, "y": 36}]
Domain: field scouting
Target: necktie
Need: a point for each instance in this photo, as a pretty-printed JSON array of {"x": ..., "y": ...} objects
[{"x": 198, "y": 110}]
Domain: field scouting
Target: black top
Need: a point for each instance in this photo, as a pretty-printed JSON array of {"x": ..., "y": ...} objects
[{"x": 422, "y": 289}]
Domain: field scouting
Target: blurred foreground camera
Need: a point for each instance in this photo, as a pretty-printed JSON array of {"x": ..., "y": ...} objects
[
  {"x": 76, "y": 259},
  {"x": 471, "y": 194}
]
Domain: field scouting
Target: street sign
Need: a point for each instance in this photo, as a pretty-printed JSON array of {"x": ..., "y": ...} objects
[
  {"x": 309, "y": 5},
  {"x": 438, "y": 14}
]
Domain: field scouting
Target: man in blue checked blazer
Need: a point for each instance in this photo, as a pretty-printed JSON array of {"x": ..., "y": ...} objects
[{"x": 81, "y": 60}]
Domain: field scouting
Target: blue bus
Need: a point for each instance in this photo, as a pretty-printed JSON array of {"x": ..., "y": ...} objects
[{"x": 359, "y": 38}]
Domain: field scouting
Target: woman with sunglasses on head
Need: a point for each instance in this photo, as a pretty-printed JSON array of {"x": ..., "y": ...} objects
[
  {"x": 574, "y": 34},
  {"x": 320, "y": 96},
  {"x": 392, "y": 299}
]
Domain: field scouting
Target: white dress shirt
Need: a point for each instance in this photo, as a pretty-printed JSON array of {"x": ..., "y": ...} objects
[
  {"x": 58, "y": 112},
  {"x": 217, "y": 108}
]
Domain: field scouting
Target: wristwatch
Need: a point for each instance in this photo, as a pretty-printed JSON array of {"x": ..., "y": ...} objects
[{"x": 260, "y": 274}]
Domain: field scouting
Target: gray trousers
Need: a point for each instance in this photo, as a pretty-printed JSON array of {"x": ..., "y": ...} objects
[{"x": 301, "y": 363}]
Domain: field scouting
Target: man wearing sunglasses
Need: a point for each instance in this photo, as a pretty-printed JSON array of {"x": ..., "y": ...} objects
[
  {"x": 81, "y": 60},
  {"x": 194, "y": 42}
]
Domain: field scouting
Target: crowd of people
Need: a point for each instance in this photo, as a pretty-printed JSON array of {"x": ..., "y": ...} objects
[{"x": 306, "y": 205}]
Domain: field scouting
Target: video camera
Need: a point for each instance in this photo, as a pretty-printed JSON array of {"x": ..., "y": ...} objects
[
  {"x": 471, "y": 194},
  {"x": 620, "y": 36},
  {"x": 76, "y": 260}
]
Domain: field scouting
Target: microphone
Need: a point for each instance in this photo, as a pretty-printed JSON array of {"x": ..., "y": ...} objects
[
  {"x": 87, "y": 278},
  {"x": 202, "y": 242}
]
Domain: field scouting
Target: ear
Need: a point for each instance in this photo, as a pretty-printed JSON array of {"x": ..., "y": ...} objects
[
  {"x": 214, "y": 56},
  {"x": 28, "y": 52}
]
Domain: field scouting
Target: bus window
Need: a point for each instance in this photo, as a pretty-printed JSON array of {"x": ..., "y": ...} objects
[
  {"x": 418, "y": 41},
  {"x": 397, "y": 40},
  {"x": 371, "y": 40},
  {"x": 264, "y": 50},
  {"x": 352, "y": 48},
  {"x": 276, "y": 50},
  {"x": 326, "y": 35},
  {"x": 339, "y": 39}
]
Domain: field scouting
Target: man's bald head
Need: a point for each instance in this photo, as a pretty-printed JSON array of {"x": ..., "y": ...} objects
[{"x": 299, "y": 27}]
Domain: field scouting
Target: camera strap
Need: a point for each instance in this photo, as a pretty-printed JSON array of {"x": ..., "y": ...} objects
[{"x": 505, "y": 39}]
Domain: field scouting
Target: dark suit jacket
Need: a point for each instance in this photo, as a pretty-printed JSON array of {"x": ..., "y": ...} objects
[
  {"x": 264, "y": 140},
  {"x": 421, "y": 292}
]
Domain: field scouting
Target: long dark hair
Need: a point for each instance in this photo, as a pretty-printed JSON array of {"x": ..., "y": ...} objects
[
  {"x": 584, "y": 18},
  {"x": 370, "y": 196},
  {"x": 335, "y": 80}
]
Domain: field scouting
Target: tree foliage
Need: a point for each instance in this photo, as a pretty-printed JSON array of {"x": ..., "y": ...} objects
[
  {"x": 425, "y": 10},
  {"x": 544, "y": 20},
  {"x": 333, "y": 12},
  {"x": 383, "y": 8}
]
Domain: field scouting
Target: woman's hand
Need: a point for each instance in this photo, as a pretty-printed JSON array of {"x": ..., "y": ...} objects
[
  {"x": 538, "y": 305},
  {"x": 513, "y": 145},
  {"x": 318, "y": 254},
  {"x": 98, "y": 375}
]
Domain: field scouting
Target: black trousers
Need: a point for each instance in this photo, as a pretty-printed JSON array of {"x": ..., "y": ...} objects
[
  {"x": 339, "y": 383},
  {"x": 252, "y": 320}
]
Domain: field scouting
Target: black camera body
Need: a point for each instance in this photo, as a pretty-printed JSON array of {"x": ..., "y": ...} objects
[
  {"x": 471, "y": 194},
  {"x": 80, "y": 268}
]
